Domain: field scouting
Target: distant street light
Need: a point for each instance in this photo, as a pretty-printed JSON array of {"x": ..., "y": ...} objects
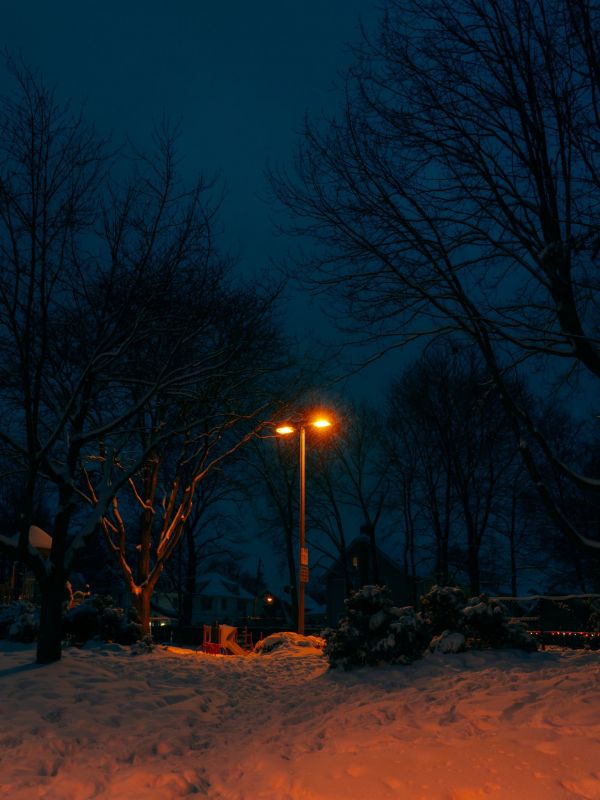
[{"x": 286, "y": 430}]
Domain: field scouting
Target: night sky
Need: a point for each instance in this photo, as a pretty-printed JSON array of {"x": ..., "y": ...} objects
[{"x": 238, "y": 76}]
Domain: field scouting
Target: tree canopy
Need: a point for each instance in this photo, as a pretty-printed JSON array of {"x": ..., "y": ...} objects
[{"x": 457, "y": 191}]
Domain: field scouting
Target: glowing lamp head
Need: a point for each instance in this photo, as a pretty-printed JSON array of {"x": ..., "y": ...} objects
[
  {"x": 321, "y": 423},
  {"x": 284, "y": 430}
]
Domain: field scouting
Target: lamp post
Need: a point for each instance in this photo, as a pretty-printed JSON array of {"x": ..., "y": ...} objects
[{"x": 285, "y": 430}]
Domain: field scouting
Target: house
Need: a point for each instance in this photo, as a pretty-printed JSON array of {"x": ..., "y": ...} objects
[
  {"x": 220, "y": 599},
  {"x": 360, "y": 572},
  {"x": 16, "y": 581}
]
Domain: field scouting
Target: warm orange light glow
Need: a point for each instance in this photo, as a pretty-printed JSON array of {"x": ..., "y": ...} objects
[
  {"x": 284, "y": 429},
  {"x": 321, "y": 423}
]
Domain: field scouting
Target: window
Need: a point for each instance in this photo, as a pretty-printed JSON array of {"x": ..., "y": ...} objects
[
  {"x": 206, "y": 603},
  {"x": 355, "y": 562}
]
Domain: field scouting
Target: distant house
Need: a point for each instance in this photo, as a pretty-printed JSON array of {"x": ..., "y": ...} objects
[
  {"x": 220, "y": 599},
  {"x": 360, "y": 572},
  {"x": 16, "y": 581}
]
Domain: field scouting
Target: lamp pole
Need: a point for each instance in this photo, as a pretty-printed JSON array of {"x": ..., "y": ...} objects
[
  {"x": 303, "y": 562},
  {"x": 285, "y": 430}
]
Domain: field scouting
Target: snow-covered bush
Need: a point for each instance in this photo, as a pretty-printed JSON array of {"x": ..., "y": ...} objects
[
  {"x": 480, "y": 622},
  {"x": 8, "y": 614},
  {"x": 486, "y": 624},
  {"x": 593, "y": 620},
  {"x": 407, "y": 637},
  {"x": 19, "y": 621},
  {"x": 98, "y": 617},
  {"x": 442, "y": 608},
  {"x": 374, "y": 632}
]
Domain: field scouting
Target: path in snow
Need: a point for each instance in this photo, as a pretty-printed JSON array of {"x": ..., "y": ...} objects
[{"x": 106, "y": 723}]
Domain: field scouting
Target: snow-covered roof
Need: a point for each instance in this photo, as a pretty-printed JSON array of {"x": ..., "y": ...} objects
[
  {"x": 215, "y": 585},
  {"x": 37, "y": 538}
]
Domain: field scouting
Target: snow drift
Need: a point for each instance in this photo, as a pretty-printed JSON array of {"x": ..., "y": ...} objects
[{"x": 115, "y": 723}]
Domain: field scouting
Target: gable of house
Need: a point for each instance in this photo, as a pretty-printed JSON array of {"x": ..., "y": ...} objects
[
  {"x": 220, "y": 599},
  {"x": 360, "y": 572}
]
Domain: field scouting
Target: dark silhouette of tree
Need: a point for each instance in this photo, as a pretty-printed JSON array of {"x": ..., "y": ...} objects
[
  {"x": 451, "y": 439},
  {"x": 350, "y": 484},
  {"x": 457, "y": 190},
  {"x": 273, "y": 481},
  {"x": 224, "y": 407},
  {"x": 110, "y": 351},
  {"x": 211, "y": 531}
]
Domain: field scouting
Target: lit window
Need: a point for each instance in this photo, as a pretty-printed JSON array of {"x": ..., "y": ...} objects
[{"x": 355, "y": 562}]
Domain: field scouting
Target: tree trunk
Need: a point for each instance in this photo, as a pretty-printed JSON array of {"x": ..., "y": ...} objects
[
  {"x": 345, "y": 564},
  {"x": 512, "y": 538},
  {"x": 52, "y": 585},
  {"x": 370, "y": 530},
  {"x": 442, "y": 532},
  {"x": 514, "y": 585},
  {"x": 189, "y": 588},
  {"x": 408, "y": 552},
  {"x": 473, "y": 568},
  {"x": 441, "y": 569},
  {"x": 291, "y": 561},
  {"x": 142, "y": 606},
  {"x": 50, "y": 634}
]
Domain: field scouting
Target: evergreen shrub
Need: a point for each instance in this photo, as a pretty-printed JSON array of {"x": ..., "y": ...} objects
[
  {"x": 442, "y": 608},
  {"x": 98, "y": 617},
  {"x": 374, "y": 631},
  {"x": 19, "y": 621},
  {"x": 487, "y": 625}
]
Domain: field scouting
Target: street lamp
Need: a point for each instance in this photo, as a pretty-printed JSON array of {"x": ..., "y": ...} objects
[{"x": 286, "y": 430}]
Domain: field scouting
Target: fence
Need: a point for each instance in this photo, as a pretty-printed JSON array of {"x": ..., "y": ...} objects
[{"x": 570, "y": 620}]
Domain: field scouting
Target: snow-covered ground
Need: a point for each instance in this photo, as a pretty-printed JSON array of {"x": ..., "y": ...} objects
[{"x": 108, "y": 722}]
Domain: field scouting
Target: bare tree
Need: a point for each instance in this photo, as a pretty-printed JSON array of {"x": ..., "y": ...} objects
[
  {"x": 350, "y": 483},
  {"x": 92, "y": 342},
  {"x": 274, "y": 490},
  {"x": 446, "y": 417},
  {"x": 222, "y": 410},
  {"x": 421, "y": 487},
  {"x": 212, "y": 530},
  {"x": 457, "y": 190}
]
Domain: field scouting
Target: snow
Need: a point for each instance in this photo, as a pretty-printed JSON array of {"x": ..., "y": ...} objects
[
  {"x": 118, "y": 723},
  {"x": 448, "y": 642},
  {"x": 290, "y": 641},
  {"x": 38, "y": 538}
]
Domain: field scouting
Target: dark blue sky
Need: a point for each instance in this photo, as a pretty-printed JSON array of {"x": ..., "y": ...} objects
[{"x": 239, "y": 76}]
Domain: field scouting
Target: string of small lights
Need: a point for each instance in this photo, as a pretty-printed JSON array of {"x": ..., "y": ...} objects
[
  {"x": 582, "y": 634},
  {"x": 573, "y": 639}
]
